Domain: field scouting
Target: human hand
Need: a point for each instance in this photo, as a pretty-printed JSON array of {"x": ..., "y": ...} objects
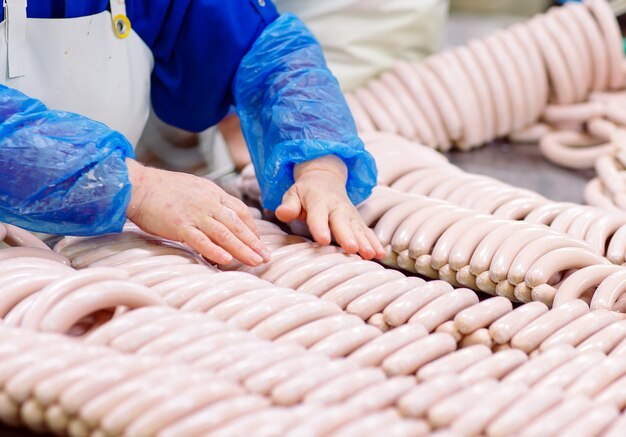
[
  {"x": 319, "y": 197},
  {"x": 196, "y": 212}
]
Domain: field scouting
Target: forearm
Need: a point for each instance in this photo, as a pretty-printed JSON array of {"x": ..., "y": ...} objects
[
  {"x": 59, "y": 172},
  {"x": 292, "y": 111}
]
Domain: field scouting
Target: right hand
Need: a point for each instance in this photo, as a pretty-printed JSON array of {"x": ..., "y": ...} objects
[{"x": 194, "y": 211}]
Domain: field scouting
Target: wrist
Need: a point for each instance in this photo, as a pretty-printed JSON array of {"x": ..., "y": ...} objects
[
  {"x": 137, "y": 175},
  {"x": 328, "y": 165}
]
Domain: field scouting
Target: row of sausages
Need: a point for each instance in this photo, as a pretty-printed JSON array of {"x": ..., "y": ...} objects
[
  {"x": 604, "y": 231},
  {"x": 509, "y": 76}
]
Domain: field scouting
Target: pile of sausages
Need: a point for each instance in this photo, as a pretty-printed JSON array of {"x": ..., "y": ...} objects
[
  {"x": 276, "y": 385},
  {"x": 497, "y": 85}
]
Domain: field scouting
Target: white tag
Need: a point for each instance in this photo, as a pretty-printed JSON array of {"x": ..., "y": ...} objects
[{"x": 15, "y": 13}]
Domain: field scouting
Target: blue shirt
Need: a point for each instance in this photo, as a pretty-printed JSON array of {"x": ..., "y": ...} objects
[{"x": 197, "y": 46}]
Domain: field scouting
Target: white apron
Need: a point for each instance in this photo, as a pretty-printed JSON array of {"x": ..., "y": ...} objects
[{"x": 96, "y": 66}]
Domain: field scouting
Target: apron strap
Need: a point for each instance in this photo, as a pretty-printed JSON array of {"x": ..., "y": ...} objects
[
  {"x": 15, "y": 13},
  {"x": 121, "y": 23}
]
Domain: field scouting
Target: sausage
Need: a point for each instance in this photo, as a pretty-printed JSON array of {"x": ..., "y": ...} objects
[
  {"x": 226, "y": 309},
  {"x": 612, "y": 39},
  {"x": 482, "y": 314},
  {"x": 368, "y": 424},
  {"x": 475, "y": 419},
  {"x": 580, "y": 329},
  {"x": 294, "y": 389},
  {"x": 290, "y": 318},
  {"x": 465, "y": 247},
  {"x": 340, "y": 388},
  {"x": 503, "y": 329},
  {"x": 332, "y": 277},
  {"x": 417, "y": 401},
  {"x": 494, "y": 366},
  {"x": 506, "y": 253},
  {"x": 525, "y": 410},
  {"x": 344, "y": 342},
  {"x": 324, "y": 421},
  {"x": 380, "y": 90},
  {"x": 259, "y": 361},
  {"x": 448, "y": 328},
  {"x": 596, "y": 379},
  {"x": 554, "y": 420},
  {"x": 348, "y": 291},
  {"x": 593, "y": 421},
  {"x": 444, "y": 412},
  {"x": 533, "y": 370},
  {"x": 405, "y": 306},
  {"x": 558, "y": 260},
  {"x": 264, "y": 381},
  {"x": 569, "y": 372},
  {"x": 302, "y": 273},
  {"x": 411, "y": 357},
  {"x": 213, "y": 296},
  {"x": 382, "y": 395},
  {"x": 531, "y": 336},
  {"x": 453, "y": 362},
  {"x": 254, "y": 314},
  {"x": 605, "y": 339},
  {"x": 444, "y": 308},
  {"x": 375, "y": 351},
  {"x": 227, "y": 354},
  {"x": 480, "y": 336},
  {"x": 377, "y": 299},
  {"x": 315, "y": 331}
]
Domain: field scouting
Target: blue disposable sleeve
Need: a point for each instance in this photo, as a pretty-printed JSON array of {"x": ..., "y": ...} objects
[
  {"x": 60, "y": 173},
  {"x": 292, "y": 110}
]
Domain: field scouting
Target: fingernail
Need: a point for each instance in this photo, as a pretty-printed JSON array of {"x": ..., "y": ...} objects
[
  {"x": 265, "y": 254},
  {"x": 257, "y": 258}
]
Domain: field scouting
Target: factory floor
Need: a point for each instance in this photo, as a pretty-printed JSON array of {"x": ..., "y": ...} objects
[{"x": 517, "y": 164}]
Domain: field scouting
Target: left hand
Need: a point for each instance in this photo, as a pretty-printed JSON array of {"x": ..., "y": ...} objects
[{"x": 319, "y": 197}]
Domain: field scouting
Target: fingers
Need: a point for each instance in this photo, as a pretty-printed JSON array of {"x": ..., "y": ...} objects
[
  {"x": 291, "y": 208},
  {"x": 317, "y": 220},
  {"x": 233, "y": 223},
  {"x": 343, "y": 232},
  {"x": 242, "y": 211},
  {"x": 375, "y": 242},
  {"x": 197, "y": 240},
  {"x": 222, "y": 235}
]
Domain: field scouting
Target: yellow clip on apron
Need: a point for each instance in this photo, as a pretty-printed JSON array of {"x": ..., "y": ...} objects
[{"x": 96, "y": 66}]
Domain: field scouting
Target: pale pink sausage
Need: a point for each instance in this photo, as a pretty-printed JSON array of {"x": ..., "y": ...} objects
[
  {"x": 368, "y": 424},
  {"x": 128, "y": 321},
  {"x": 570, "y": 371},
  {"x": 294, "y": 389},
  {"x": 444, "y": 308},
  {"x": 503, "y": 329},
  {"x": 411, "y": 357},
  {"x": 592, "y": 422},
  {"x": 612, "y": 40},
  {"x": 523, "y": 411},
  {"x": 539, "y": 366},
  {"x": 374, "y": 108},
  {"x": 313, "y": 332},
  {"x": 557, "y": 418},
  {"x": 377, "y": 299},
  {"x": 417, "y": 401},
  {"x": 393, "y": 106},
  {"x": 480, "y": 336},
  {"x": 290, "y": 318},
  {"x": 475, "y": 419},
  {"x": 15, "y": 236},
  {"x": 596, "y": 379},
  {"x": 444, "y": 412},
  {"x": 94, "y": 297},
  {"x": 482, "y": 314},
  {"x": 581, "y": 280},
  {"x": 506, "y": 253},
  {"x": 404, "y": 307},
  {"x": 324, "y": 421},
  {"x": 497, "y": 366},
  {"x": 614, "y": 394},
  {"x": 254, "y": 314},
  {"x": 227, "y": 308},
  {"x": 531, "y": 336},
  {"x": 362, "y": 120},
  {"x": 448, "y": 328},
  {"x": 453, "y": 362},
  {"x": 376, "y": 350},
  {"x": 483, "y": 254},
  {"x": 340, "y": 388},
  {"x": 346, "y": 341},
  {"x": 348, "y": 291},
  {"x": 382, "y": 395},
  {"x": 229, "y": 354},
  {"x": 264, "y": 382},
  {"x": 616, "y": 429},
  {"x": 259, "y": 361},
  {"x": 208, "y": 343},
  {"x": 178, "y": 406},
  {"x": 324, "y": 281},
  {"x": 302, "y": 273},
  {"x": 204, "y": 421},
  {"x": 210, "y": 297},
  {"x": 580, "y": 329},
  {"x": 267, "y": 422},
  {"x": 606, "y": 339}
]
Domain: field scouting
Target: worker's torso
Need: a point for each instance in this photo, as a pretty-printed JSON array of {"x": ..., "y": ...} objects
[{"x": 82, "y": 65}]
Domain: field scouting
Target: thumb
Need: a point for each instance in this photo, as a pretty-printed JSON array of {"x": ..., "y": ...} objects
[{"x": 291, "y": 207}]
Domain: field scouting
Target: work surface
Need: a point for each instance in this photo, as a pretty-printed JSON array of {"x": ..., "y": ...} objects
[{"x": 523, "y": 166}]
